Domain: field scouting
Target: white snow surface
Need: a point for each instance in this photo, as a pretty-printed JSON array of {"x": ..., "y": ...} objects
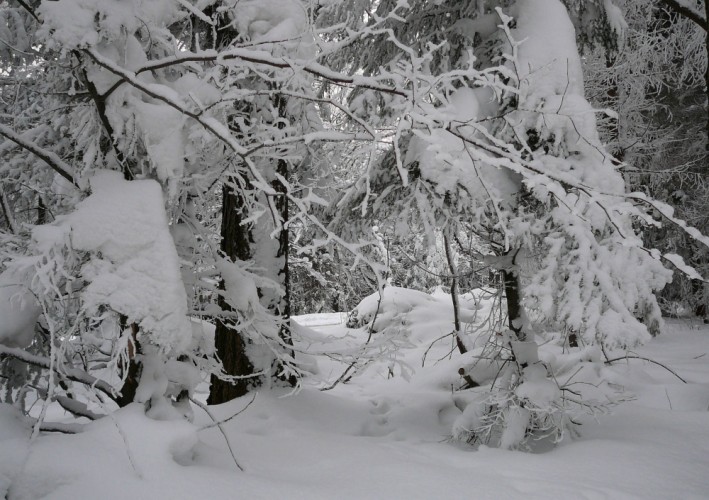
[
  {"x": 19, "y": 309},
  {"x": 379, "y": 437}
]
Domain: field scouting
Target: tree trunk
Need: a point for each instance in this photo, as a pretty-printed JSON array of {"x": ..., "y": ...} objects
[
  {"x": 230, "y": 344},
  {"x": 130, "y": 385},
  {"x": 284, "y": 305},
  {"x": 454, "y": 292},
  {"x": 283, "y": 308},
  {"x": 514, "y": 303}
]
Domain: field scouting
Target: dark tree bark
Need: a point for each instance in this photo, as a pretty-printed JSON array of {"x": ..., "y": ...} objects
[
  {"x": 514, "y": 300},
  {"x": 230, "y": 344},
  {"x": 130, "y": 385},
  {"x": 454, "y": 292},
  {"x": 283, "y": 309}
]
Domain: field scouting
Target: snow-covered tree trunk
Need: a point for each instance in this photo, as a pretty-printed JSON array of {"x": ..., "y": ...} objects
[{"x": 230, "y": 344}]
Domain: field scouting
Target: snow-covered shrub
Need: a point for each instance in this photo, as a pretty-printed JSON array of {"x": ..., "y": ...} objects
[{"x": 107, "y": 279}]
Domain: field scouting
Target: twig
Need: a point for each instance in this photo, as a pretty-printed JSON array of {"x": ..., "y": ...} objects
[
  {"x": 61, "y": 427},
  {"x": 632, "y": 356},
  {"x": 423, "y": 358},
  {"x": 668, "y": 398},
  {"x": 369, "y": 338},
  {"x": 220, "y": 422},
  {"x": 221, "y": 429}
]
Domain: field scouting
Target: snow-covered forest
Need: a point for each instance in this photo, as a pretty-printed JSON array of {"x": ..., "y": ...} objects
[{"x": 354, "y": 249}]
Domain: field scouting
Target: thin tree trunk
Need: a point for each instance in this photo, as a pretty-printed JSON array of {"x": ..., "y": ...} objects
[
  {"x": 41, "y": 210},
  {"x": 130, "y": 385},
  {"x": 514, "y": 301},
  {"x": 454, "y": 291},
  {"x": 7, "y": 212},
  {"x": 283, "y": 309}
]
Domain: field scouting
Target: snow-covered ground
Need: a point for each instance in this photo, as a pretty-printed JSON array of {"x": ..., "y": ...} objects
[{"x": 379, "y": 436}]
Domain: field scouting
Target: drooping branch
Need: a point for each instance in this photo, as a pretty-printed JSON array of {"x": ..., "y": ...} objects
[
  {"x": 632, "y": 356},
  {"x": 686, "y": 11},
  {"x": 50, "y": 158},
  {"x": 73, "y": 374},
  {"x": 29, "y": 9},
  {"x": 499, "y": 156}
]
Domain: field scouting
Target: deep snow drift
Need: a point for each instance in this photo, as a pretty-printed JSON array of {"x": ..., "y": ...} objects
[{"x": 384, "y": 434}]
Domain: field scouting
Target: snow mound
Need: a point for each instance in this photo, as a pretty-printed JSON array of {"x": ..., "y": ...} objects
[{"x": 19, "y": 309}]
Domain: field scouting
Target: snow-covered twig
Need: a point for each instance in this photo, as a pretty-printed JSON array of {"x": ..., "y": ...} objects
[
  {"x": 221, "y": 429},
  {"x": 220, "y": 422},
  {"x": 633, "y": 356}
]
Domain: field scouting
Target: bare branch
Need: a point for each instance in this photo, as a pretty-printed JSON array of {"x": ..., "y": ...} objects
[
  {"x": 221, "y": 429},
  {"x": 633, "y": 356}
]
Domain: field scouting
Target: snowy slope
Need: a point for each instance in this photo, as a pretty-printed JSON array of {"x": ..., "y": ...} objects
[{"x": 379, "y": 437}]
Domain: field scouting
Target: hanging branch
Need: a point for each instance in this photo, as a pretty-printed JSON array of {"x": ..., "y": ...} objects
[{"x": 633, "y": 356}]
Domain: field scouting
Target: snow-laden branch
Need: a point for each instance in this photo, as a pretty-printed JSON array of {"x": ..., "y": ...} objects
[
  {"x": 50, "y": 158},
  {"x": 73, "y": 374},
  {"x": 502, "y": 157},
  {"x": 212, "y": 125},
  {"x": 266, "y": 59}
]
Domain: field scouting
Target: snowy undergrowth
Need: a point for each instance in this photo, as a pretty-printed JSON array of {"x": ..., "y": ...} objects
[{"x": 379, "y": 436}]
